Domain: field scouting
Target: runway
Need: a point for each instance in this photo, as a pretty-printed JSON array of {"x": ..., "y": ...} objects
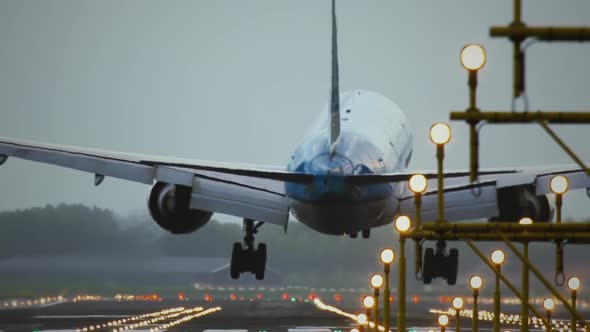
[
  {"x": 109, "y": 315},
  {"x": 250, "y": 316}
]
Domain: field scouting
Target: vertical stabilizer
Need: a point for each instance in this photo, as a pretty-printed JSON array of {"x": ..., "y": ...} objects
[{"x": 335, "y": 90}]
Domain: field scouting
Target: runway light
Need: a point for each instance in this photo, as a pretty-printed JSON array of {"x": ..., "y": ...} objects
[
  {"x": 559, "y": 184},
  {"x": 368, "y": 302},
  {"x": 418, "y": 183},
  {"x": 443, "y": 320},
  {"x": 402, "y": 223},
  {"x": 376, "y": 280},
  {"x": 548, "y": 304},
  {"x": 526, "y": 221},
  {"x": 497, "y": 257},
  {"x": 387, "y": 256},
  {"x": 440, "y": 133},
  {"x": 574, "y": 283},
  {"x": 320, "y": 305},
  {"x": 473, "y": 57},
  {"x": 361, "y": 319},
  {"x": 475, "y": 282},
  {"x": 458, "y": 303}
]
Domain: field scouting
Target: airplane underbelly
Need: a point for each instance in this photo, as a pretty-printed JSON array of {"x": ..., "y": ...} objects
[{"x": 338, "y": 217}]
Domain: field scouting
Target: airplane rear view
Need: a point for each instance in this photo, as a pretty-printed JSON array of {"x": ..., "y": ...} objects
[{"x": 349, "y": 175}]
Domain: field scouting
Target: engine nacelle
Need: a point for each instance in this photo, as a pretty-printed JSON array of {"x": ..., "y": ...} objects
[
  {"x": 169, "y": 206},
  {"x": 515, "y": 203}
]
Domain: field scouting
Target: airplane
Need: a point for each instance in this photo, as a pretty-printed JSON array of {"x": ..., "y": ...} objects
[{"x": 348, "y": 176}]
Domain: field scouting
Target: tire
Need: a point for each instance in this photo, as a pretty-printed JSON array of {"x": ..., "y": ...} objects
[
  {"x": 452, "y": 266},
  {"x": 428, "y": 265},
  {"x": 353, "y": 235},
  {"x": 366, "y": 233},
  {"x": 236, "y": 256},
  {"x": 260, "y": 261}
]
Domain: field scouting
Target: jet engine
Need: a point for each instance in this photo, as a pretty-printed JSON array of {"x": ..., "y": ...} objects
[
  {"x": 170, "y": 208},
  {"x": 515, "y": 203}
]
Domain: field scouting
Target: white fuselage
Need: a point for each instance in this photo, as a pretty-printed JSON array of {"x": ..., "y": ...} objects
[{"x": 374, "y": 139}]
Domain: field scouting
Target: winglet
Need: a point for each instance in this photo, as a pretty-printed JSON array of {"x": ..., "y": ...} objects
[{"x": 335, "y": 90}]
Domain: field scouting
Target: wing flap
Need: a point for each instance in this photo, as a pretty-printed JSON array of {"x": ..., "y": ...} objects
[
  {"x": 173, "y": 175},
  {"x": 211, "y": 195},
  {"x": 461, "y": 203}
]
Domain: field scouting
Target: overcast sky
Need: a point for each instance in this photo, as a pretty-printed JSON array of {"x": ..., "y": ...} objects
[{"x": 241, "y": 81}]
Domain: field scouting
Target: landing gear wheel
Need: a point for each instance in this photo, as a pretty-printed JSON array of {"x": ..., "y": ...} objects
[
  {"x": 428, "y": 266},
  {"x": 452, "y": 266},
  {"x": 366, "y": 233},
  {"x": 353, "y": 235},
  {"x": 236, "y": 257},
  {"x": 260, "y": 261},
  {"x": 244, "y": 258}
]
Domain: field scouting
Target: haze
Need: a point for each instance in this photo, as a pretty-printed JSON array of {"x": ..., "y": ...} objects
[{"x": 242, "y": 81}]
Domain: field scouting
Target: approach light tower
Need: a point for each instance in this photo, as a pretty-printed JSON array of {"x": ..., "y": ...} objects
[
  {"x": 497, "y": 257},
  {"x": 387, "y": 256},
  {"x": 473, "y": 58},
  {"x": 402, "y": 225},
  {"x": 475, "y": 282}
]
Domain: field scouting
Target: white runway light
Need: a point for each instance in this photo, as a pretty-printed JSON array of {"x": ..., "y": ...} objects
[
  {"x": 440, "y": 133},
  {"x": 418, "y": 183},
  {"x": 473, "y": 57},
  {"x": 559, "y": 184}
]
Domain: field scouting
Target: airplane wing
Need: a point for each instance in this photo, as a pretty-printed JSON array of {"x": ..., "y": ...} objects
[
  {"x": 494, "y": 194},
  {"x": 260, "y": 198},
  {"x": 140, "y": 168},
  {"x": 256, "y": 192}
]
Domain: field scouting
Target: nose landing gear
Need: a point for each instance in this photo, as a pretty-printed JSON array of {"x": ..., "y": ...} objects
[
  {"x": 439, "y": 264},
  {"x": 245, "y": 258}
]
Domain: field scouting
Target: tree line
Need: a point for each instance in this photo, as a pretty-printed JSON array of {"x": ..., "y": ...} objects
[{"x": 91, "y": 231}]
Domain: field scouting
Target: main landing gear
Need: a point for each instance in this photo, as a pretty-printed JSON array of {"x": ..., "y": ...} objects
[
  {"x": 244, "y": 258},
  {"x": 439, "y": 264},
  {"x": 366, "y": 234}
]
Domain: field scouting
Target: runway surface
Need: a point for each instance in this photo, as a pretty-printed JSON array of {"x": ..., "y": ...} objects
[
  {"x": 255, "y": 316},
  {"x": 217, "y": 316},
  {"x": 110, "y": 315}
]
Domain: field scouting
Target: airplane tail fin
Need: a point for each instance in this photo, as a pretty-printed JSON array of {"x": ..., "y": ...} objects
[{"x": 335, "y": 90}]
